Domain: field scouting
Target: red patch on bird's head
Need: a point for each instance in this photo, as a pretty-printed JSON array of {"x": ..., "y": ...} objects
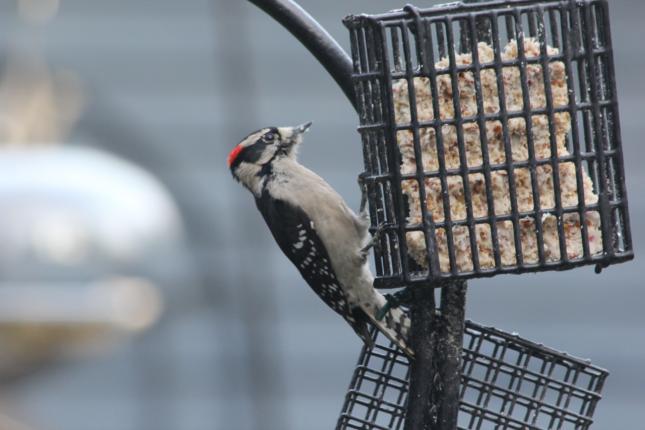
[{"x": 233, "y": 155}]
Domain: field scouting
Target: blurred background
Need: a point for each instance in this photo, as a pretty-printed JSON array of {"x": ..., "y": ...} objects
[{"x": 139, "y": 287}]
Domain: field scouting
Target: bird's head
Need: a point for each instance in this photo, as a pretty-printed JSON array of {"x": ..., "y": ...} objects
[{"x": 251, "y": 159}]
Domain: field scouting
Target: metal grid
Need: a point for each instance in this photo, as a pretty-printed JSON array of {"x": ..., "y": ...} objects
[
  {"x": 507, "y": 383},
  {"x": 404, "y": 47}
]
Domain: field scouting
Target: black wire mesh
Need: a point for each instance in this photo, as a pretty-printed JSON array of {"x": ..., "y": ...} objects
[
  {"x": 507, "y": 383},
  {"x": 506, "y": 112}
]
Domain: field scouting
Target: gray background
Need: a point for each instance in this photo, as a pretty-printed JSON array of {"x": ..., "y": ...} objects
[{"x": 244, "y": 343}]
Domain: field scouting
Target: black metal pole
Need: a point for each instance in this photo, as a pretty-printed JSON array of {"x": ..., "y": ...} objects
[
  {"x": 435, "y": 372},
  {"x": 448, "y": 353},
  {"x": 421, "y": 415},
  {"x": 315, "y": 38}
]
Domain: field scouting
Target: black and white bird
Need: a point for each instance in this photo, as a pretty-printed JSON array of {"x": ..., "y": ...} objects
[{"x": 315, "y": 229}]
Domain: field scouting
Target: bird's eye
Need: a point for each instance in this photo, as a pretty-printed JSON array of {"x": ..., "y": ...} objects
[{"x": 269, "y": 137}]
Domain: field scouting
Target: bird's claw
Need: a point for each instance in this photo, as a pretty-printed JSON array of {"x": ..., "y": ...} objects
[
  {"x": 374, "y": 241},
  {"x": 393, "y": 301}
]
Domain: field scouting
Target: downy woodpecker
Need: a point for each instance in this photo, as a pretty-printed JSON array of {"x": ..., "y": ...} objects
[{"x": 316, "y": 230}]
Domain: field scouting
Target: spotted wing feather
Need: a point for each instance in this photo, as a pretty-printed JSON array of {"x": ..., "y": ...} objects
[{"x": 296, "y": 235}]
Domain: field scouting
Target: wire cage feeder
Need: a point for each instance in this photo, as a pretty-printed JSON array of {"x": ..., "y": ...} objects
[
  {"x": 491, "y": 139},
  {"x": 506, "y": 383}
]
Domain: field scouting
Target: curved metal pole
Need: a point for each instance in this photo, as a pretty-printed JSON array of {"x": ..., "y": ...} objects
[{"x": 315, "y": 38}]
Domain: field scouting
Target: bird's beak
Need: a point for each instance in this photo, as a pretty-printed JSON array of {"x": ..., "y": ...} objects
[
  {"x": 302, "y": 128},
  {"x": 292, "y": 136},
  {"x": 292, "y": 133}
]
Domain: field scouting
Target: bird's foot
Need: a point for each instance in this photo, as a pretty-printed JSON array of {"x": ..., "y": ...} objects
[
  {"x": 373, "y": 242},
  {"x": 393, "y": 301}
]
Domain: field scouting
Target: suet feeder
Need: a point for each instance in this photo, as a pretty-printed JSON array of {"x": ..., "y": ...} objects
[
  {"x": 507, "y": 382},
  {"x": 491, "y": 139}
]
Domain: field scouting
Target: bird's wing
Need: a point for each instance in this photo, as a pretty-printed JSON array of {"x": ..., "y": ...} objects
[{"x": 297, "y": 237}]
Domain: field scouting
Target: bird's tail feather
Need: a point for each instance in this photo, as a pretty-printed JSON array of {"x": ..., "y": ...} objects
[{"x": 395, "y": 326}]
